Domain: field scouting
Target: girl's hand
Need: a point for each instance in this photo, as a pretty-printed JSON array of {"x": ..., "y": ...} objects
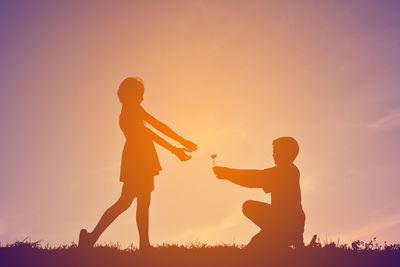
[
  {"x": 189, "y": 145},
  {"x": 180, "y": 153}
]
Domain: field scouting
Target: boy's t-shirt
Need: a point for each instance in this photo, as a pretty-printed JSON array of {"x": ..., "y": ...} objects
[{"x": 283, "y": 182}]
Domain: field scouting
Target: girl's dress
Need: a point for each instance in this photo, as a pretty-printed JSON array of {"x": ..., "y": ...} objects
[{"x": 139, "y": 162}]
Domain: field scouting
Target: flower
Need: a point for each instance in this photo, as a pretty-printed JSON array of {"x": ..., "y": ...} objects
[{"x": 213, "y": 156}]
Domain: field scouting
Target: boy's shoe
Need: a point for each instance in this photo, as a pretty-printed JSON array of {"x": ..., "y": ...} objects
[
  {"x": 84, "y": 239},
  {"x": 313, "y": 242}
]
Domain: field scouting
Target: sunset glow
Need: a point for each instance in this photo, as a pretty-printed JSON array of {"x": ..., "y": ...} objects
[{"x": 230, "y": 75}]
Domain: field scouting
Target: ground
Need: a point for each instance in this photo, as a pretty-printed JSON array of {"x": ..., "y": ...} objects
[{"x": 329, "y": 254}]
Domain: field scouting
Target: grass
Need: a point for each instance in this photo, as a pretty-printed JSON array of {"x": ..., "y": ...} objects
[{"x": 26, "y": 253}]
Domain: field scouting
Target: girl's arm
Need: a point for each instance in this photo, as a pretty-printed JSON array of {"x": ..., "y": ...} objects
[
  {"x": 162, "y": 127},
  {"x": 178, "y": 151}
]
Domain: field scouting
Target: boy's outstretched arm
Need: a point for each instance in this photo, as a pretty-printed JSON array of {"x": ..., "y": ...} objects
[
  {"x": 162, "y": 127},
  {"x": 178, "y": 151},
  {"x": 246, "y": 178}
]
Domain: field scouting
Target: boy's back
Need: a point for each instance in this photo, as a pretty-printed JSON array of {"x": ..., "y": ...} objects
[{"x": 283, "y": 182}]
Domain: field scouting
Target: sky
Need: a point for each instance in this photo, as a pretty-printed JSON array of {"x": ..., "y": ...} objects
[{"x": 229, "y": 75}]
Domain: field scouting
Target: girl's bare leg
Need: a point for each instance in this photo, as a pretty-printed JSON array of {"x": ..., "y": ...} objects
[
  {"x": 142, "y": 219},
  {"x": 122, "y": 204}
]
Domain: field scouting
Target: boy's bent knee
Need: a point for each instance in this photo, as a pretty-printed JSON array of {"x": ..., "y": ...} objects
[{"x": 247, "y": 207}]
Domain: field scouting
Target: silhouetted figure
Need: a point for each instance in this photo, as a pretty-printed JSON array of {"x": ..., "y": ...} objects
[
  {"x": 282, "y": 221},
  {"x": 139, "y": 162}
]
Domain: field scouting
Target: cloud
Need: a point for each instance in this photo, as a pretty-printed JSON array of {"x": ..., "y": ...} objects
[
  {"x": 387, "y": 122},
  {"x": 368, "y": 231}
]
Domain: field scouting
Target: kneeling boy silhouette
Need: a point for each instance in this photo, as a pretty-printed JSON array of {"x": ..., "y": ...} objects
[{"x": 282, "y": 221}]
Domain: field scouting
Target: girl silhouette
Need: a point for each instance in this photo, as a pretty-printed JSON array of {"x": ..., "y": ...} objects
[{"x": 139, "y": 162}]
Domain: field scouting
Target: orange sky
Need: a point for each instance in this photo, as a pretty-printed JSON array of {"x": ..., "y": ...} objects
[{"x": 231, "y": 76}]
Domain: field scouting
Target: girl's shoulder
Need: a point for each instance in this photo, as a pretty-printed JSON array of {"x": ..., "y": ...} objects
[
  {"x": 131, "y": 113},
  {"x": 132, "y": 110}
]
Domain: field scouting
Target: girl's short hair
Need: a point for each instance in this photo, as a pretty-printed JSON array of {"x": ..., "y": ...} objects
[{"x": 131, "y": 87}]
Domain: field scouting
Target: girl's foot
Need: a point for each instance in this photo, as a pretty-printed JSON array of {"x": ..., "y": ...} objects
[
  {"x": 145, "y": 247},
  {"x": 85, "y": 240}
]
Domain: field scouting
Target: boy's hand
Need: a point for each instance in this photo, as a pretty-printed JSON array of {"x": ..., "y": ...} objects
[
  {"x": 180, "y": 153},
  {"x": 189, "y": 145},
  {"x": 221, "y": 172}
]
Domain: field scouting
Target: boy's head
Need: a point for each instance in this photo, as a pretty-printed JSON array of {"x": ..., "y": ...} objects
[
  {"x": 285, "y": 150},
  {"x": 131, "y": 91}
]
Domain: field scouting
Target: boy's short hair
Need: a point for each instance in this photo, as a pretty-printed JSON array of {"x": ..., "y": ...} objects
[
  {"x": 287, "y": 146},
  {"x": 130, "y": 87}
]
